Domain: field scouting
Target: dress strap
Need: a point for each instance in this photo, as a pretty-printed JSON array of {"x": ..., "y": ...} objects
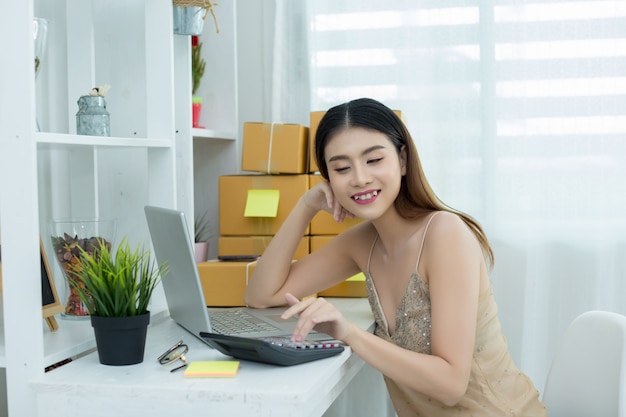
[
  {"x": 419, "y": 254},
  {"x": 369, "y": 258}
]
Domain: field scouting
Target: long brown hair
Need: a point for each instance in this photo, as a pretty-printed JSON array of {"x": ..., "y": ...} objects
[{"x": 416, "y": 194}]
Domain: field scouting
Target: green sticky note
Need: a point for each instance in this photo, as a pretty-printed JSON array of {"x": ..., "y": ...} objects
[
  {"x": 262, "y": 203},
  {"x": 212, "y": 369}
]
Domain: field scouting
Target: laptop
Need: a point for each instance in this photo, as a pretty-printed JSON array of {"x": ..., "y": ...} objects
[{"x": 172, "y": 243}]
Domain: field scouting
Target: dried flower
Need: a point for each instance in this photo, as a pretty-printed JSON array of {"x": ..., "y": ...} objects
[
  {"x": 68, "y": 250},
  {"x": 99, "y": 91}
]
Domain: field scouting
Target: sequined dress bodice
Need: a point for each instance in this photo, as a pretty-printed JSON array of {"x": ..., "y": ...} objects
[
  {"x": 412, "y": 318},
  {"x": 496, "y": 386}
]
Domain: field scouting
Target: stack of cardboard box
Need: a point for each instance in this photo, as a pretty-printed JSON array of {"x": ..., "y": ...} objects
[{"x": 253, "y": 207}]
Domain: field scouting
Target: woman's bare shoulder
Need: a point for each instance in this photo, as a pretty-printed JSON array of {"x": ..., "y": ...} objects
[
  {"x": 447, "y": 221},
  {"x": 448, "y": 230}
]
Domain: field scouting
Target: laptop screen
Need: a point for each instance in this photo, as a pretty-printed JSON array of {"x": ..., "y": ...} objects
[{"x": 172, "y": 243}]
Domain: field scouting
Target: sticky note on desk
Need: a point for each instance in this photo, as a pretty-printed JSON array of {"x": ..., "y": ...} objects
[{"x": 212, "y": 369}]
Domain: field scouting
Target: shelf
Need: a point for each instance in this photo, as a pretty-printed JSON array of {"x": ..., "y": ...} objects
[
  {"x": 61, "y": 141},
  {"x": 73, "y": 338},
  {"x": 62, "y": 174},
  {"x": 213, "y": 134}
]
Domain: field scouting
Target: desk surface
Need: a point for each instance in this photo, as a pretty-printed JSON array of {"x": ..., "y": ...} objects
[{"x": 150, "y": 389}]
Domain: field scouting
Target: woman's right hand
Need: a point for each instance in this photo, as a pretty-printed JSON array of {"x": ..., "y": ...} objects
[
  {"x": 315, "y": 313},
  {"x": 322, "y": 197}
]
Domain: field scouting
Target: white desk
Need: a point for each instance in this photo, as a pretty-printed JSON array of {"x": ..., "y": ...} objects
[{"x": 85, "y": 387}]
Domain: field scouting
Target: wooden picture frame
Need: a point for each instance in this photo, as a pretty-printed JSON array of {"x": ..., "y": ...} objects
[
  {"x": 49, "y": 296},
  {"x": 50, "y": 304}
]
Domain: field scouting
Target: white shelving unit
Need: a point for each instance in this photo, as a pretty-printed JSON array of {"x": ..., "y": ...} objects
[
  {"x": 150, "y": 158},
  {"x": 211, "y": 134},
  {"x": 216, "y": 148}
]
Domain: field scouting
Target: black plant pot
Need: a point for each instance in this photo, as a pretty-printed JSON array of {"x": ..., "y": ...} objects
[{"x": 121, "y": 340}]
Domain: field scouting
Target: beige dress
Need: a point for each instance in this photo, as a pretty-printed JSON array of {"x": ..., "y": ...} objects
[{"x": 496, "y": 387}]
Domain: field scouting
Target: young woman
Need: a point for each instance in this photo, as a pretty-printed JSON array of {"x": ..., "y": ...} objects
[{"x": 438, "y": 340}]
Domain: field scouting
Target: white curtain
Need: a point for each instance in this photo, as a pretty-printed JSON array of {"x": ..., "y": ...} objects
[
  {"x": 285, "y": 78},
  {"x": 518, "y": 110}
]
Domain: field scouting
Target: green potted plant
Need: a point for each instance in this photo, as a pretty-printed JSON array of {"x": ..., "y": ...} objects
[
  {"x": 116, "y": 288},
  {"x": 198, "y": 64},
  {"x": 202, "y": 234}
]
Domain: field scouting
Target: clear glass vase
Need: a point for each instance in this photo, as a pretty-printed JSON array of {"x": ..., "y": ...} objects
[
  {"x": 40, "y": 38},
  {"x": 68, "y": 236}
]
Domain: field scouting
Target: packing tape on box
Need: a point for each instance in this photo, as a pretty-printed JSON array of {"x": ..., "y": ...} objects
[
  {"x": 260, "y": 244},
  {"x": 269, "y": 148},
  {"x": 248, "y": 266},
  {"x": 275, "y": 127},
  {"x": 263, "y": 226}
]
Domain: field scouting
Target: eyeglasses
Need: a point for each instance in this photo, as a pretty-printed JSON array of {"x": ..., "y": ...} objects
[{"x": 176, "y": 352}]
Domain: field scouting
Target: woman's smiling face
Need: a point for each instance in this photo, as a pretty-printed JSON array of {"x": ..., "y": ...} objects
[{"x": 364, "y": 171}]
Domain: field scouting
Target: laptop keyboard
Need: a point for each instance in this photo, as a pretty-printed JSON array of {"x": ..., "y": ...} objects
[{"x": 237, "y": 322}]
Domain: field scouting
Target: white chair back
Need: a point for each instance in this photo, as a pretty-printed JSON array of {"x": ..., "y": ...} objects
[{"x": 587, "y": 375}]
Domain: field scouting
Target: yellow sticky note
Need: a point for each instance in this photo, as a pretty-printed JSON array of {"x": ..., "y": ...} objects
[
  {"x": 357, "y": 277},
  {"x": 212, "y": 369},
  {"x": 262, "y": 203}
]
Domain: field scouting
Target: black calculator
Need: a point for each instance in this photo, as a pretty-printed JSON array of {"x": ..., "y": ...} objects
[{"x": 275, "y": 350}]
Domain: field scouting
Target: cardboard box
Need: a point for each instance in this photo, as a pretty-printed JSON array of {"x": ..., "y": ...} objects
[
  {"x": 224, "y": 283},
  {"x": 256, "y": 205},
  {"x": 254, "y": 246},
  {"x": 275, "y": 148},
  {"x": 314, "y": 120},
  {"x": 323, "y": 223},
  {"x": 352, "y": 287}
]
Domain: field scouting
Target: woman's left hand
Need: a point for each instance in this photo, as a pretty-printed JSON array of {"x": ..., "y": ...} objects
[{"x": 315, "y": 314}]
